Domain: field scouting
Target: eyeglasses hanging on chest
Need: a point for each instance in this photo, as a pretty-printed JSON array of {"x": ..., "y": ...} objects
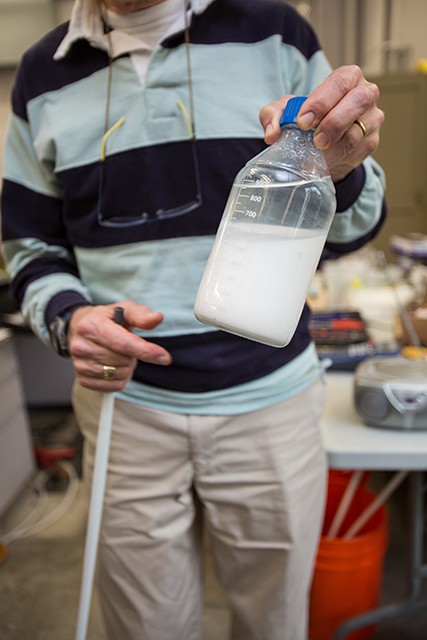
[{"x": 147, "y": 184}]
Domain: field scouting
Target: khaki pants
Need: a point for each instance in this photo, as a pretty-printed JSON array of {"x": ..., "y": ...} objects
[{"x": 259, "y": 479}]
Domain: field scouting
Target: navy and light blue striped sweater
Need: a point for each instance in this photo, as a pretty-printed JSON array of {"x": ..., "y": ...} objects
[{"x": 244, "y": 54}]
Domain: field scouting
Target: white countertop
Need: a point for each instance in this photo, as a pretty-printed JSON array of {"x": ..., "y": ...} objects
[{"x": 351, "y": 444}]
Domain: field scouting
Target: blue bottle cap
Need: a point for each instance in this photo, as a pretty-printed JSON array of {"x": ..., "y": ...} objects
[{"x": 292, "y": 109}]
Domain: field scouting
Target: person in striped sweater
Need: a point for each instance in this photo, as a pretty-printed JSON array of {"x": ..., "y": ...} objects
[{"x": 128, "y": 125}]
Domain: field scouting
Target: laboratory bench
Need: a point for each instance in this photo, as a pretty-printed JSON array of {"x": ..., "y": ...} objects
[{"x": 350, "y": 445}]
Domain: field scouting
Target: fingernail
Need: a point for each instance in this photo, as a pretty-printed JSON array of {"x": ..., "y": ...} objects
[
  {"x": 268, "y": 129},
  {"x": 306, "y": 120},
  {"x": 321, "y": 140},
  {"x": 162, "y": 360}
]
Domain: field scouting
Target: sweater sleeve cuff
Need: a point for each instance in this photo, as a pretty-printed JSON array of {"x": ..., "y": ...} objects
[
  {"x": 349, "y": 189},
  {"x": 61, "y": 303}
]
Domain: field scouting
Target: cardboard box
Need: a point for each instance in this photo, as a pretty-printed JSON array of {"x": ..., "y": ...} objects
[{"x": 418, "y": 318}]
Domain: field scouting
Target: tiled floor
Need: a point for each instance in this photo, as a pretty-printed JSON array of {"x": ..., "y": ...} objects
[
  {"x": 40, "y": 578},
  {"x": 40, "y": 581}
]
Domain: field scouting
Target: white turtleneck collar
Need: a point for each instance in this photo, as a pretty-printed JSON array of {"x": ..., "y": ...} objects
[
  {"x": 148, "y": 27},
  {"x": 86, "y": 22}
]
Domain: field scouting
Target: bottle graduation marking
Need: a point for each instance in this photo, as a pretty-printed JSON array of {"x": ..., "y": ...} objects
[{"x": 236, "y": 236}]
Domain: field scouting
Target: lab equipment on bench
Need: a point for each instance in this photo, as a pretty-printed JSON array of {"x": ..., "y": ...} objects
[
  {"x": 270, "y": 239},
  {"x": 392, "y": 392}
]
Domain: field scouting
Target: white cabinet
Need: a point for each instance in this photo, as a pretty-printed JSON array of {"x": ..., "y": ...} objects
[{"x": 17, "y": 463}]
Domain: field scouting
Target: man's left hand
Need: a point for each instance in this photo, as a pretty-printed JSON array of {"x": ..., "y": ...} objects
[{"x": 332, "y": 110}]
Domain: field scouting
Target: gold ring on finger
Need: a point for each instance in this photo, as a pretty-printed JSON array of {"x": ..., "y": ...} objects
[
  {"x": 108, "y": 373},
  {"x": 362, "y": 126}
]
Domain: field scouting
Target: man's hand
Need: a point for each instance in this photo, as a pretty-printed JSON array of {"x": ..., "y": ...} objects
[
  {"x": 96, "y": 340},
  {"x": 332, "y": 109}
]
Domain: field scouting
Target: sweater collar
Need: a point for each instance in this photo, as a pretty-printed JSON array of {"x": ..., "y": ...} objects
[{"x": 86, "y": 23}]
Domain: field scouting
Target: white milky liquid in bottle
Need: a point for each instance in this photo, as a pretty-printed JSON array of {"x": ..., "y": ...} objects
[{"x": 269, "y": 242}]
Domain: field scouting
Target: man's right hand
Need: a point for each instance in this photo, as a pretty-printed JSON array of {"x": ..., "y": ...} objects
[{"x": 95, "y": 340}]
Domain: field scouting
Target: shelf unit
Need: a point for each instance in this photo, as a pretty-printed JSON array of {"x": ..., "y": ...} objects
[{"x": 402, "y": 153}]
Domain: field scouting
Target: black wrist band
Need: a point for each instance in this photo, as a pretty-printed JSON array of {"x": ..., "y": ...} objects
[{"x": 58, "y": 330}]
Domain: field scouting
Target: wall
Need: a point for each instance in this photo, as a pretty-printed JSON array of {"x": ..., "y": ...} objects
[
  {"x": 22, "y": 22},
  {"x": 409, "y": 26},
  {"x": 379, "y": 35}
]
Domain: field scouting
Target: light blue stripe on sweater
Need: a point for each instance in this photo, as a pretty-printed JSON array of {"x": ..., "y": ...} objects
[
  {"x": 162, "y": 274},
  {"x": 365, "y": 213},
  {"x": 38, "y": 295},
  {"x": 251, "y": 396},
  {"x": 260, "y": 75},
  {"x": 21, "y": 162},
  {"x": 19, "y": 253}
]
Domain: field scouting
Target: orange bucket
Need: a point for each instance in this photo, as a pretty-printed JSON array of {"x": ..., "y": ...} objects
[{"x": 348, "y": 573}]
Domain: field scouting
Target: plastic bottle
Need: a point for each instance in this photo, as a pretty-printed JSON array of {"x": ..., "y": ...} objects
[{"x": 270, "y": 239}]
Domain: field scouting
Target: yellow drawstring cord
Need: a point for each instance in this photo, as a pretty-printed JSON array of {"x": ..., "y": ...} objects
[
  {"x": 187, "y": 115},
  {"x": 107, "y": 135},
  {"x": 121, "y": 121}
]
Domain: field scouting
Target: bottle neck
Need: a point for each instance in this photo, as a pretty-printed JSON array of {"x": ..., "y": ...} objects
[
  {"x": 292, "y": 137},
  {"x": 296, "y": 148},
  {"x": 292, "y": 127}
]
